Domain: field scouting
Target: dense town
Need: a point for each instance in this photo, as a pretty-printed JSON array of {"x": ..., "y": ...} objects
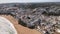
[{"x": 45, "y": 19}]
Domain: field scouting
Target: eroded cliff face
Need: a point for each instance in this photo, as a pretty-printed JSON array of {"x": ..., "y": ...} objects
[{"x": 42, "y": 17}]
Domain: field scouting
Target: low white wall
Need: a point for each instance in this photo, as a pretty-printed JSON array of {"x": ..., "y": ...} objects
[{"x": 6, "y": 27}]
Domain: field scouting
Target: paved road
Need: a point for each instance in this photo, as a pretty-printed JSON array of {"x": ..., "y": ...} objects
[{"x": 6, "y": 27}]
